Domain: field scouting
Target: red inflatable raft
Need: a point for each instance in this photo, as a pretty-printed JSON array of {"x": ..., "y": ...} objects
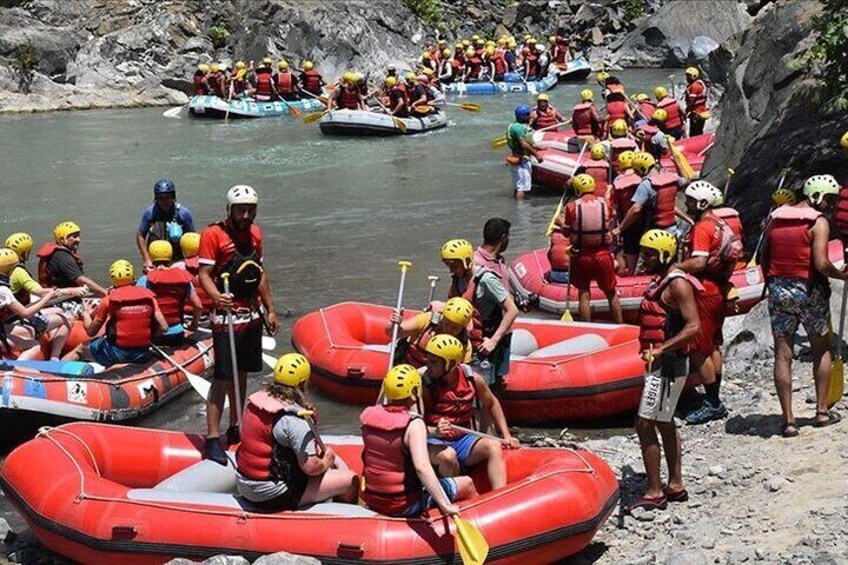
[
  {"x": 98, "y": 493},
  {"x": 528, "y": 273},
  {"x": 557, "y": 371},
  {"x": 118, "y": 393}
]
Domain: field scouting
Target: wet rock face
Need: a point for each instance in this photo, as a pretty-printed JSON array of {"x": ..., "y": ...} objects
[
  {"x": 681, "y": 33},
  {"x": 768, "y": 117}
]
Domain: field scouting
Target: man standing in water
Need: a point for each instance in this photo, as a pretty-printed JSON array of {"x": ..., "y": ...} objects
[
  {"x": 234, "y": 247},
  {"x": 518, "y": 138}
]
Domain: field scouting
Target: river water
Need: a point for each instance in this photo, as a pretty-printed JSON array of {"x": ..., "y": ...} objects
[{"x": 337, "y": 213}]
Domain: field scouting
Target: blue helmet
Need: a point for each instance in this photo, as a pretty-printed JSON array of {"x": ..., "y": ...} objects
[
  {"x": 522, "y": 112},
  {"x": 164, "y": 186}
]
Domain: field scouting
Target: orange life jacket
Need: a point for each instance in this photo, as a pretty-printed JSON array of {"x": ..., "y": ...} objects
[
  {"x": 732, "y": 218},
  {"x": 130, "y": 322},
  {"x": 391, "y": 483},
  {"x": 581, "y": 119},
  {"x": 589, "y": 228},
  {"x": 674, "y": 118},
  {"x": 264, "y": 83},
  {"x": 665, "y": 185},
  {"x": 696, "y": 103},
  {"x": 558, "y": 253},
  {"x": 623, "y": 189},
  {"x": 599, "y": 170},
  {"x": 285, "y": 83},
  {"x": 546, "y": 118},
  {"x": 348, "y": 99}
]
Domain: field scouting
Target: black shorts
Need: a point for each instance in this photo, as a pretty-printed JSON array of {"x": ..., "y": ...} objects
[
  {"x": 248, "y": 351},
  {"x": 289, "y": 500},
  {"x": 630, "y": 240}
]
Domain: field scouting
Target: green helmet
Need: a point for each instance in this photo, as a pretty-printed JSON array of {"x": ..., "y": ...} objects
[{"x": 818, "y": 186}]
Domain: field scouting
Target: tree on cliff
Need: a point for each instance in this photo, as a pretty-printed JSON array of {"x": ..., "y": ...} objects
[{"x": 828, "y": 56}]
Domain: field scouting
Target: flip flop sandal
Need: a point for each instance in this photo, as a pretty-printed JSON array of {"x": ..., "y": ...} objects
[
  {"x": 676, "y": 495},
  {"x": 833, "y": 417},
  {"x": 789, "y": 429},
  {"x": 649, "y": 503}
]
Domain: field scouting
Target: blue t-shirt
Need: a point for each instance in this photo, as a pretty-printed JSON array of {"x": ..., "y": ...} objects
[{"x": 153, "y": 214}]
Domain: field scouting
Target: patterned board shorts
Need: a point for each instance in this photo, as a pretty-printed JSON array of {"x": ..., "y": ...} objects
[{"x": 795, "y": 301}]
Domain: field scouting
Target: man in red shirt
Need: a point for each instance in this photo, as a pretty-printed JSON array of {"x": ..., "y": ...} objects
[
  {"x": 588, "y": 222},
  {"x": 234, "y": 246},
  {"x": 696, "y": 102},
  {"x": 704, "y": 243}
]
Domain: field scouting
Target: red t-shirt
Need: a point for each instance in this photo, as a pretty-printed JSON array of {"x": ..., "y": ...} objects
[
  {"x": 217, "y": 248},
  {"x": 704, "y": 240}
]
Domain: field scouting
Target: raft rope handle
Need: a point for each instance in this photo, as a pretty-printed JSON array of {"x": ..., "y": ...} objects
[
  {"x": 334, "y": 345},
  {"x": 45, "y": 432}
]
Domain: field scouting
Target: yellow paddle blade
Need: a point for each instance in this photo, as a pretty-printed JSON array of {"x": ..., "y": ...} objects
[
  {"x": 296, "y": 112},
  {"x": 399, "y": 124},
  {"x": 499, "y": 142},
  {"x": 837, "y": 382},
  {"x": 313, "y": 117},
  {"x": 472, "y": 546},
  {"x": 470, "y": 106},
  {"x": 566, "y": 317},
  {"x": 753, "y": 262},
  {"x": 688, "y": 171}
]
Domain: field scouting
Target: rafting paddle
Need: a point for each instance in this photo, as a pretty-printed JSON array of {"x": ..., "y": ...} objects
[
  {"x": 473, "y": 547},
  {"x": 400, "y": 124},
  {"x": 433, "y": 280},
  {"x": 404, "y": 267},
  {"x": 837, "y": 373},
  {"x": 174, "y": 112},
  {"x": 730, "y": 173},
  {"x": 314, "y": 116},
  {"x": 233, "y": 360},
  {"x": 685, "y": 167},
  {"x": 558, "y": 210},
  {"x": 753, "y": 261},
  {"x": 229, "y": 100},
  {"x": 307, "y": 415},
  {"x": 200, "y": 385},
  {"x": 468, "y": 106}
]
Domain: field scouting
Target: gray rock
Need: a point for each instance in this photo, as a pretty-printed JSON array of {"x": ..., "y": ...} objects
[
  {"x": 774, "y": 484},
  {"x": 226, "y": 560},
  {"x": 688, "y": 557},
  {"x": 717, "y": 471},
  {"x": 4, "y": 529},
  {"x": 701, "y": 47},
  {"x": 283, "y": 558}
]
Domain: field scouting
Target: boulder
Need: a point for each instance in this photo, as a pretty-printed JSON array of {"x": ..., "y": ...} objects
[
  {"x": 769, "y": 119},
  {"x": 666, "y": 38}
]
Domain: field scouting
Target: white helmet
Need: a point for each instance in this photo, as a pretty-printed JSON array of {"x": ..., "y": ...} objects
[
  {"x": 702, "y": 192},
  {"x": 242, "y": 194},
  {"x": 540, "y": 47},
  {"x": 818, "y": 186}
]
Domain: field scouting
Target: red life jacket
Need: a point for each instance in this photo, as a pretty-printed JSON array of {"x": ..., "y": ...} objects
[
  {"x": 790, "y": 251},
  {"x": 647, "y": 108},
  {"x": 658, "y": 322},
  {"x": 264, "y": 84},
  {"x": 200, "y": 88},
  {"x": 532, "y": 64},
  {"x": 311, "y": 81},
  {"x": 545, "y": 119},
  {"x": 618, "y": 146},
  {"x": 665, "y": 184},
  {"x": 474, "y": 64},
  {"x": 589, "y": 229},
  {"x": 561, "y": 53},
  {"x": 696, "y": 103},
  {"x": 623, "y": 189},
  {"x": 44, "y": 254},
  {"x": 616, "y": 110},
  {"x": 840, "y": 217},
  {"x": 558, "y": 252},
  {"x": 456, "y": 405},
  {"x": 599, "y": 170},
  {"x": 171, "y": 289},
  {"x": 581, "y": 119},
  {"x": 391, "y": 484},
  {"x": 674, "y": 118},
  {"x": 348, "y": 99},
  {"x": 259, "y": 457},
  {"x": 285, "y": 83},
  {"x": 732, "y": 218},
  {"x": 727, "y": 255},
  {"x": 457, "y": 68},
  {"x": 500, "y": 63},
  {"x": 649, "y": 132},
  {"x": 131, "y": 311}
]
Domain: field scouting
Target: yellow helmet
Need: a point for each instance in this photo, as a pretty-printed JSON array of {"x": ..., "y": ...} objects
[
  {"x": 446, "y": 53},
  {"x": 552, "y": 38},
  {"x": 660, "y": 92},
  {"x": 527, "y": 36},
  {"x": 410, "y": 76},
  {"x": 599, "y": 152},
  {"x": 625, "y": 159},
  {"x": 543, "y": 97},
  {"x": 490, "y": 43},
  {"x": 583, "y": 183},
  {"x": 122, "y": 273},
  {"x": 490, "y": 50},
  {"x": 292, "y": 369},
  {"x": 63, "y": 230},
  {"x": 641, "y": 97},
  {"x": 283, "y": 65},
  {"x": 513, "y": 44},
  {"x": 643, "y": 162},
  {"x": 692, "y": 72},
  {"x": 475, "y": 37},
  {"x": 602, "y": 76},
  {"x": 586, "y": 95},
  {"x": 459, "y": 46},
  {"x": 190, "y": 244},
  {"x": 308, "y": 65},
  {"x": 783, "y": 196},
  {"x": 479, "y": 43},
  {"x": 215, "y": 68},
  {"x": 446, "y": 347},
  {"x": 619, "y": 128},
  {"x": 240, "y": 65},
  {"x": 160, "y": 251},
  {"x": 844, "y": 140},
  {"x": 458, "y": 311},
  {"x": 8, "y": 260},
  {"x": 458, "y": 249},
  {"x": 20, "y": 243},
  {"x": 425, "y": 55},
  {"x": 203, "y": 68},
  {"x": 402, "y": 382},
  {"x": 661, "y": 241},
  {"x": 441, "y": 42},
  {"x": 465, "y": 43},
  {"x": 427, "y": 72},
  {"x": 391, "y": 81},
  {"x": 660, "y": 115},
  {"x": 267, "y": 61},
  {"x": 469, "y": 52}
]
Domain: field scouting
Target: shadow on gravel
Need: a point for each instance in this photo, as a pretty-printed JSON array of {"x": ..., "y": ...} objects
[
  {"x": 764, "y": 426},
  {"x": 593, "y": 552}
]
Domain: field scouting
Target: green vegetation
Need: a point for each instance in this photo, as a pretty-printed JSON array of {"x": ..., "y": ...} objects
[
  {"x": 634, "y": 9},
  {"x": 219, "y": 34},
  {"x": 828, "y": 57},
  {"x": 430, "y": 11},
  {"x": 26, "y": 59}
]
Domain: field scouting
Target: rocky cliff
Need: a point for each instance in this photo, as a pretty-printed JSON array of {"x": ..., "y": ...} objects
[{"x": 768, "y": 118}]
